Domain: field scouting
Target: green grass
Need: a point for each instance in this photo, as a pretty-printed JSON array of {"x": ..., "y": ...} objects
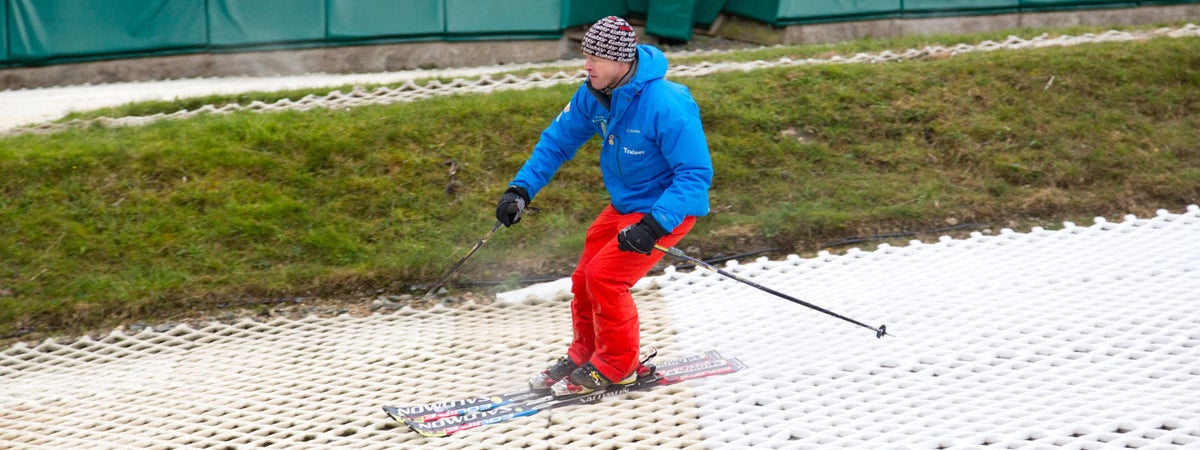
[{"x": 109, "y": 224}]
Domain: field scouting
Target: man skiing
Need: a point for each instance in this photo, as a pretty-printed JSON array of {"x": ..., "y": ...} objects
[{"x": 657, "y": 170}]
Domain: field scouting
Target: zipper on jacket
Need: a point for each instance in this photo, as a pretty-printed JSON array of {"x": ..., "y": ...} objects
[
  {"x": 606, "y": 140},
  {"x": 610, "y": 141}
]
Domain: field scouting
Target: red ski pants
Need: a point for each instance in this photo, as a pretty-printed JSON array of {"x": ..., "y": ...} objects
[{"x": 603, "y": 316}]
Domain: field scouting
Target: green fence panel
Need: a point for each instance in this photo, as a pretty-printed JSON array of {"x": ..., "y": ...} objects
[
  {"x": 359, "y": 19},
  {"x": 671, "y": 19},
  {"x": 1058, "y": 5},
  {"x": 509, "y": 16},
  {"x": 248, "y": 22},
  {"x": 708, "y": 10},
  {"x": 587, "y": 12},
  {"x": 959, "y": 6},
  {"x": 785, "y": 12},
  {"x": 3, "y": 31},
  {"x": 46, "y": 29},
  {"x": 805, "y": 10},
  {"x": 639, "y": 7},
  {"x": 760, "y": 10}
]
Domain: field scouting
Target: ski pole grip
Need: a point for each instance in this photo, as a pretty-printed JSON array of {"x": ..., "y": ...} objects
[{"x": 517, "y": 209}]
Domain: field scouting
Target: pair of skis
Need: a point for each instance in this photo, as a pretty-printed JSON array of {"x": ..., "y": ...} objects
[{"x": 446, "y": 418}]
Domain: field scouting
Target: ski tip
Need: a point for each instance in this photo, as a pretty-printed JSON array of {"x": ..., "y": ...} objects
[
  {"x": 394, "y": 413},
  {"x": 737, "y": 364},
  {"x": 432, "y": 434}
]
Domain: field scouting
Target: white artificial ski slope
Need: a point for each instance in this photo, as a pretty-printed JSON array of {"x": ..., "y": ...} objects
[{"x": 1087, "y": 337}]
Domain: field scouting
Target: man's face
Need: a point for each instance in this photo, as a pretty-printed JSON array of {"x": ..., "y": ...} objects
[{"x": 603, "y": 73}]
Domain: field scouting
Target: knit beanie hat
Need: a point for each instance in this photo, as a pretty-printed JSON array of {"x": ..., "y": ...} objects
[{"x": 611, "y": 38}]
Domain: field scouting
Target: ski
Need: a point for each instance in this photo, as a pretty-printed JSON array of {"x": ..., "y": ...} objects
[
  {"x": 450, "y": 425},
  {"x": 439, "y": 410}
]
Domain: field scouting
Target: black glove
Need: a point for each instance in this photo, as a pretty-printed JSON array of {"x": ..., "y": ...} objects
[
  {"x": 512, "y": 205},
  {"x": 641, "y": 237}
]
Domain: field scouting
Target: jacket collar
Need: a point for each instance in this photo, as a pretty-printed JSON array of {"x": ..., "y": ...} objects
[
  {"x": 605, "y": 95},
  {"x": 650, "y": 65}
]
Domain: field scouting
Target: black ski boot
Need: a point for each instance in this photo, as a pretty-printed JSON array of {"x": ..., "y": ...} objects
[
  {"x": 586, "y": 379},
  {"x": 546, "y": 378}
]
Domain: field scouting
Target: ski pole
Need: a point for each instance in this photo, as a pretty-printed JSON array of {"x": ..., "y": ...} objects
[
  {"x": 879, "y": 332},
  {"x": 464, "y": 259}
]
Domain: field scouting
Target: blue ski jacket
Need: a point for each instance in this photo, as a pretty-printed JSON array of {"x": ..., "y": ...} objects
[{"x": 654, "y": 155}]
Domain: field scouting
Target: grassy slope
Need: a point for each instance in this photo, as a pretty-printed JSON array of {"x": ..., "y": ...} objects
[{"x": 104, "y": 224}]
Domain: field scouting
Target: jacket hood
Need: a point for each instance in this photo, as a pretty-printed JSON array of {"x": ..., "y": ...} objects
[{"x": 651, "y": 65}]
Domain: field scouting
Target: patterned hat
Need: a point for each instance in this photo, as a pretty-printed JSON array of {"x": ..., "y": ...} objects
[{"x": 611, "y": 38}]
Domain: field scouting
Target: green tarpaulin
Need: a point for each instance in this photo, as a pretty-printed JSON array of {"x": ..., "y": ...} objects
[
  {"x": 350, "y": 19},
  {"x": 1049, "y": 5},
  {"x": 40, "y": 29},
  {"x": 585, "y": 12},
  {"x": 508, "y": 16},
  {"x": 242, "y": 22},
  {"x": 51, "y": 31},
  {"x": 952, "y": 6}
]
